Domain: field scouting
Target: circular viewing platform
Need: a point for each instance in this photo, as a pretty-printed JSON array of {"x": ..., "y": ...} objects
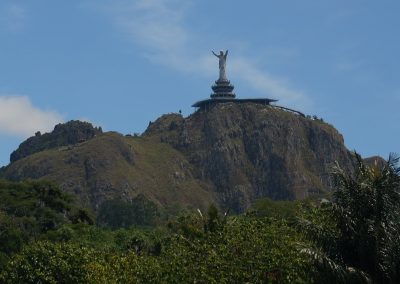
[{"x": 205, "y": 104}]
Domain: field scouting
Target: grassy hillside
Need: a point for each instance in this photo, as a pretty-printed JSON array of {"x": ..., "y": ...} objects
[
  {"x": 114, "y": 166},
  {"x": 231, "y": 154}
]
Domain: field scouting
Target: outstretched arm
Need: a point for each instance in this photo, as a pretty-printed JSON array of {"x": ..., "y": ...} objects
[
  {"x": 226, "y": 53},
  {"x": 214, "y": 53}
]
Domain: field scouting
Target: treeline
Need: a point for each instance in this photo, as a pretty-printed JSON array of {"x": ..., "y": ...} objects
[
  {"x": 349, "y": 237},
  {"x": 28, "y": 210}
]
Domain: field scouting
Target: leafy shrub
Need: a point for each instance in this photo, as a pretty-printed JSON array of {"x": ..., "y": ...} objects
[
  {"x": 119, "y": 213},
  {"x": 45, "y": 262}
]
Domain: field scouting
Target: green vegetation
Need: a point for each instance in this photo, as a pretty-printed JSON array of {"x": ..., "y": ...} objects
[
  {"x": 118, "y": 213},
  {"x": 30, "y": 209},
  {"x": 266, "y": 207},
  {"x": 356, "y": 236},
  {"x": 195, "y": 248},
  {"x": 351, "y": 238}
]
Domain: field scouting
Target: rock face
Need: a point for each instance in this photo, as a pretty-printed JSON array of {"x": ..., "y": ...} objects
[
  {"x": 70, "y": 133},
  {"x": 231, "y": 154},
  {"x": 250, "y": 151}
]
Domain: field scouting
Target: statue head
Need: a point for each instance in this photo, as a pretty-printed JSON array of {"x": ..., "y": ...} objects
[{"x": 221, "y": 52}]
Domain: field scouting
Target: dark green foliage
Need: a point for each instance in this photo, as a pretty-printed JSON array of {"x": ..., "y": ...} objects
[
  {"x": 12, "y": 236},
  {"x": 198, "y": 225},
  {"x": 140, "y": 241},
  {"x": 236, "y": 250},
  {"x": 357, "y": 235},
  {"x": 147, "y": 242},
  {"x": 353, "y": 238},
  {"x": 28, "y": 210},
  {"x": 214, "y": 220},
  {"x": 118, "y": 213},
  {"x": 266, "y": 207},
  {"x": 42, "y": 201},
  {"x": 45, "y": 262},
  {"x": 82, "y": 215}
]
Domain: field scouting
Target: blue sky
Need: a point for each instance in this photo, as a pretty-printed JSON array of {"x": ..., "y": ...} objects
[{"x": 120, "y": 64}]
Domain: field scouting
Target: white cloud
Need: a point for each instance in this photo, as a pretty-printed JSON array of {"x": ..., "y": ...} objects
[
  {"x": 18, "y": 117},
  {"x": 159, "y": 27}
]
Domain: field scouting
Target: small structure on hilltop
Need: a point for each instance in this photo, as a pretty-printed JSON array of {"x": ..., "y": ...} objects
[{"x": 223, "y": 89}]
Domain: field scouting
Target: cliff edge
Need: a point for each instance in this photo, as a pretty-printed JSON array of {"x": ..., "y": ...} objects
[{"x": 231, "y": 155}]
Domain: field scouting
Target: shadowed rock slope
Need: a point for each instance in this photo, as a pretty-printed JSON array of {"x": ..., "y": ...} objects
[
  {"x": 250, "y": 151},
  {"x": 232, "y": 154}
]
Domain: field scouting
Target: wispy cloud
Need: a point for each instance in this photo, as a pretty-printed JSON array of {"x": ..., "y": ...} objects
[
  {"x": 268, "y": 85},
  {"x": 18, "y": 117},
  {"x": 161, "y": 29},
  {"x": 157, "y": 26},
  {"x": 12, "y": 17}
]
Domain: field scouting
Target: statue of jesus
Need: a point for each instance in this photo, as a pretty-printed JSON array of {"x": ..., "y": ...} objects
[{"x": 222, "y": 64}]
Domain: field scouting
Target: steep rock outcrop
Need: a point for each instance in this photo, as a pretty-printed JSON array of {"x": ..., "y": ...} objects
[
  {"x": 69, "y": 133},
  {"x": 231, "y": 154},
  {"x": 250, "y": 151}
]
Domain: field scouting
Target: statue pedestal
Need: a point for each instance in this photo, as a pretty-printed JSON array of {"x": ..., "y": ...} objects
[{"x": 223, "y": 89}]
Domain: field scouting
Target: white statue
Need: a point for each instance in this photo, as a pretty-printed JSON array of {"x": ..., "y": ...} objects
[{"x": 222, "y": 64}]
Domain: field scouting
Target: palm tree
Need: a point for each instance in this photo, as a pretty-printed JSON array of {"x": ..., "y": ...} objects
[{"x": 356, "y": 235}]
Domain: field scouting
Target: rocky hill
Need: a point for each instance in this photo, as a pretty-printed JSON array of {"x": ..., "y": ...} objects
[
  {"x": 231, "y": 154},
  {"x": 70, "y": 133},
  {"x": 250, "y": 151}
]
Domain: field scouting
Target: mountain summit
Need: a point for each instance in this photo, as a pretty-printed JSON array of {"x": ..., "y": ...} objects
[{"x": 230, "y": 154}]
